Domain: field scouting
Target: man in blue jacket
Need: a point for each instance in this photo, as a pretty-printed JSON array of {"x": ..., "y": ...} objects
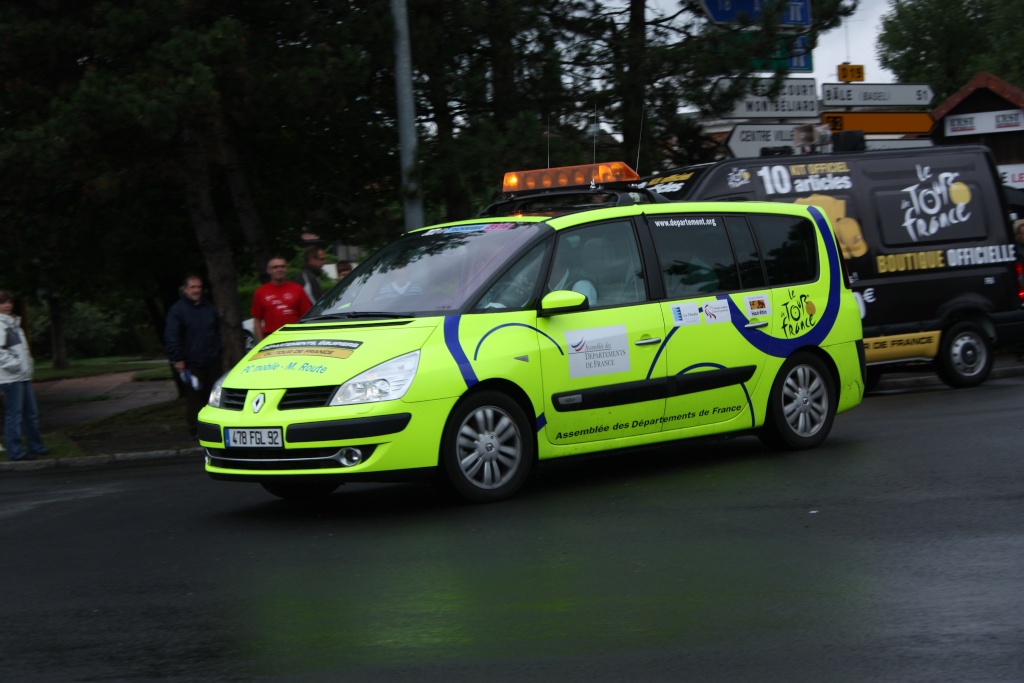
[{"x": 192, "y": 342}]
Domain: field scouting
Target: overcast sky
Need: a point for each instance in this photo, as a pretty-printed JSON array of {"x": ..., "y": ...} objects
[{"x": 853, "y": 42}]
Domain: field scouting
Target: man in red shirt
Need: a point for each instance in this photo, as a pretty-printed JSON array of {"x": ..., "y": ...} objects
[{"x": 277, "y": 302}]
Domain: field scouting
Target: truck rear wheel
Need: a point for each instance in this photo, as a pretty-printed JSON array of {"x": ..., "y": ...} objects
[{"x": 965, "y": 356}]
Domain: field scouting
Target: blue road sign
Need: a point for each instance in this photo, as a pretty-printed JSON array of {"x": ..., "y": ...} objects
[{"x": 795, "y": 14}]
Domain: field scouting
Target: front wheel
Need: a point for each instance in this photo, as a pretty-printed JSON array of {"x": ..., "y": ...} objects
[
  {"x": 487, "y": 450},
  {"x": 801, "y": 406},
  {"x": 965, "y": 356}
]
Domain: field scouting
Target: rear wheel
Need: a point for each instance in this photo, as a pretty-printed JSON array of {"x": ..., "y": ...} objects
[
  {"x": 295, "y": 489},
  {"x": 487, "y": 449},
  {"x": 802, "y": 404},
  {"x": 965, "y": 356}
]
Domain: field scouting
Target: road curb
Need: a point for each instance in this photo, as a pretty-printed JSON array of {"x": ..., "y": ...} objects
[{"x": 86, "y": 461}]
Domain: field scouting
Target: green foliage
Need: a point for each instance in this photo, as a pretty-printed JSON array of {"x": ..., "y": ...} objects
[
  {"x": 106, "y": 103},
  {"x": 945, "y": 42},
  {"x": 93, "y": 329}
]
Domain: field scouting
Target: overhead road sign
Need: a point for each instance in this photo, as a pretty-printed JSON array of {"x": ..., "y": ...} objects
[
  {"x": 879, "y": 122},
  {"x": 791, "y": 54},
  {"x": 876, "y": 95},
  {"x": 746, "y": 140},
  {"x": 796, "y": 13},
  {"x": 798, "y": 98}
]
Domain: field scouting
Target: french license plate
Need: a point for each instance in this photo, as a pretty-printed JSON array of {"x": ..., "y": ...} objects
[{"x": 237, "y": 437}]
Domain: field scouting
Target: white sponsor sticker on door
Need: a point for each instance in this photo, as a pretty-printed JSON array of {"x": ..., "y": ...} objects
[
  {"x": 757, "y": 306},
  {"x": 598, "y": 351},
  {"x": 716, "y": 311},
  {"x": 687, "y": 313}
]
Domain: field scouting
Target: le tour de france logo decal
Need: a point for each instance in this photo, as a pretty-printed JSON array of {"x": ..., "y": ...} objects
[{"x": 937, "y": 201}]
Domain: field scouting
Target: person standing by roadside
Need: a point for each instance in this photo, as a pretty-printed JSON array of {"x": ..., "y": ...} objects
[
  {"x": 344, "y": 268},
  {"x": 309, "y": 276},
  {"x": 192, "y": 342},
  {"x": 21, "y": 416},
  {"x": 277, "y": 302}
]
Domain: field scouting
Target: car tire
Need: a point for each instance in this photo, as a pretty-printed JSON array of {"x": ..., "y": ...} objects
[
  {"x": 965, "y": 356},
  {"x": 487, "y": 450},
  {"x": 295, "y": 490},
  {"x": 801, "y": 406}
]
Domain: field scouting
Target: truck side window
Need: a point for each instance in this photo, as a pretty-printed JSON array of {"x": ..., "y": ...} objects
[
  {"x": 695, "y": 254},
  {"x": 788, "y": 247}
]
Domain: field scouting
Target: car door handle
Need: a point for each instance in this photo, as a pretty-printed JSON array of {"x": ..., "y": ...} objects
[
  {"x": 647, "y": 342},
  {"x": 755, "y": 324}
]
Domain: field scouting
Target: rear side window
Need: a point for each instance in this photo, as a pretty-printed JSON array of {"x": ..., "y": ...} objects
[
  {"x": 788, "y": 246},
  {"x": 695, "y": 255},
  {"x": 747, "y": 258}
]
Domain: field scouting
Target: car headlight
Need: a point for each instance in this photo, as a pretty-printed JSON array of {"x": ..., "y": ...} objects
[
  {"x": 385, "y": 382},
  {"x": 215, "y": 390}
]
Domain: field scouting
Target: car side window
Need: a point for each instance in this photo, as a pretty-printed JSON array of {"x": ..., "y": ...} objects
[
  {"x": 747, "y": 259},
  {"x": 695, "y": 254},
  {"x": 788, "y": 246},
  {"x": 515, "y": 289},
  {"x": 601, "y": 261}
]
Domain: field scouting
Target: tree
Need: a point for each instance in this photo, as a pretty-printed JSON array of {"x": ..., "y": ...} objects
[
  {"x": 945, "y": 42},
  {"x": 110, "y": 101}
]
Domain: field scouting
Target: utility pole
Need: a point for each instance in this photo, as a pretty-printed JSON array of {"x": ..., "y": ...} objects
[{"x": 412, "y": 198}]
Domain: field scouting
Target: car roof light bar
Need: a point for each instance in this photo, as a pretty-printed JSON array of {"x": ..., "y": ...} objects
[{"x": 568, "y": 176}]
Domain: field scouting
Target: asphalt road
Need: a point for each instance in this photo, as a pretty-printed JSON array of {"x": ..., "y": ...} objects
[{"x": 894, "y": 553}]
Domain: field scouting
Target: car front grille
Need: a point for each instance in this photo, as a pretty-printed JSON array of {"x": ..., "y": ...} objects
[
  {"x": 232, "y": 399},
  {"x": 307, "y": 397}
]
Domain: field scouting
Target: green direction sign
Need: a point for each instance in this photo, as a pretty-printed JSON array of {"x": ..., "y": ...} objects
[{"x": 792, "y": 53}]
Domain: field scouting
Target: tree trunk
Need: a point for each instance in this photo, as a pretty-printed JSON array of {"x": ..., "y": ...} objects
[
  {"x": 213, "y": 243},
  {"x": 248, "y": 217},
  {"x": 58, "y": 341},
  {"x": 632, "y": 88}
]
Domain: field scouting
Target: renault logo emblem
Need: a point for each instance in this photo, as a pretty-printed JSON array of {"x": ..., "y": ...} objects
[{"x": 257, "y": 403}]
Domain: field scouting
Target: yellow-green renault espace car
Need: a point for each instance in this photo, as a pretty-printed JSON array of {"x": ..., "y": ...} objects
[{"x": 473, "y": 350}]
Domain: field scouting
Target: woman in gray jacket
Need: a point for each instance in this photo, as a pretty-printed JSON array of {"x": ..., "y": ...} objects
[{"x": 16, "y": 366}]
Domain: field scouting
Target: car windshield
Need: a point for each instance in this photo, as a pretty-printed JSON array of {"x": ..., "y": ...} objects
[{"x": 433, "y": 272}]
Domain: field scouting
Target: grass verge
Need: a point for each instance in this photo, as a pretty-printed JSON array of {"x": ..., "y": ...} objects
[
  {"x": 156, "y": 427},
  {"x": 145, "y": 368}
]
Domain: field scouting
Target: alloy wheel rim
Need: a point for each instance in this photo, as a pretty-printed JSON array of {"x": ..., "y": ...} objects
[
  {"x": 489, "y": 447},
  {"x": 804, "y": 401}
]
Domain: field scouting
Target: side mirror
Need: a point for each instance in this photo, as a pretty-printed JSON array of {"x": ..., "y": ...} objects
[{"x": 563, "y": 301}]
